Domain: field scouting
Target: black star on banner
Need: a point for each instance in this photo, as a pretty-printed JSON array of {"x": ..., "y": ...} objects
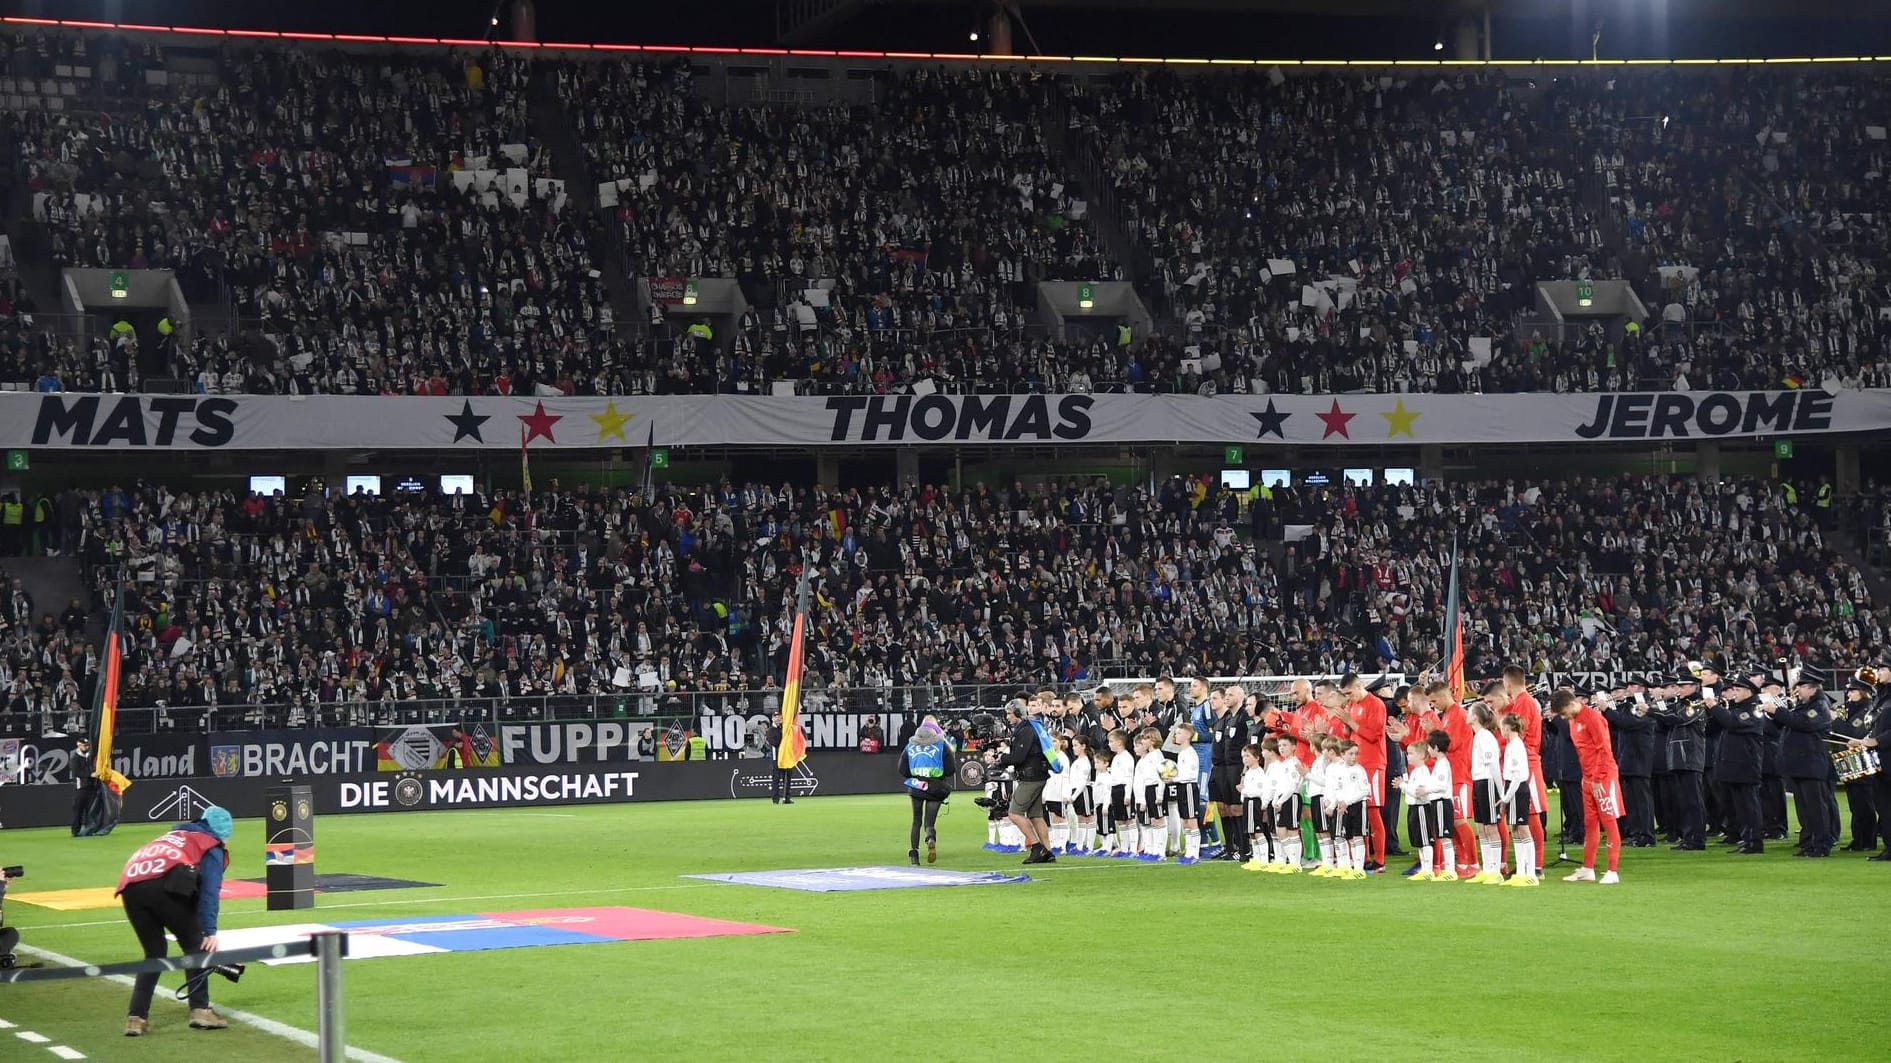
[
  {"x": 1272, "y": 420},
  {"x": 466, "y": 423}
]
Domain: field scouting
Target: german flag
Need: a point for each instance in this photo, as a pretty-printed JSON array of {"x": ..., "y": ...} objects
[
  {"x": 1454, "y": 632},
  {"x": 102, "y": 811},
  {"x": 794, "y": 745}
]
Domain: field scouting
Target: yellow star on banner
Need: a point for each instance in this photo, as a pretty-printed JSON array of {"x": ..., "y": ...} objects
[
  {"x": 610, "y": 422},
  {"x": 1399, "y": 419}
]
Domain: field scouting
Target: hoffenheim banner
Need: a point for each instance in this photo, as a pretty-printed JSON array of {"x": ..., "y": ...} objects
[{"x": 274, "y": 422}]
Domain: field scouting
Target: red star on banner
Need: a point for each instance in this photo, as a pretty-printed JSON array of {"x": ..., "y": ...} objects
[
  {"x": 1336, "y": 419},
  {"x": 540, "y": 424}
]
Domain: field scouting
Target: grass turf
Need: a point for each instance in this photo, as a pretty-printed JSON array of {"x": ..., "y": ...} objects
[{"x": 1694, "y": 956}]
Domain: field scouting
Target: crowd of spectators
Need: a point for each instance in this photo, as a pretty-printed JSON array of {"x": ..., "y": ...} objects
[
  {"x": 1304, "y": 233},
  {"x": 888, "y": 240},
  {"x": 324, "y": 196},
  {"x": 364, "y": 608},
  {"x": 1755, "y": 206}
]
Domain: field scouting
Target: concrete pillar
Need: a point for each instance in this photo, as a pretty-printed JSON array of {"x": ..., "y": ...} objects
[
  {"x": 827, "y": 470},
  {"x": 1431, "y": 463},
  {"x": 1845, "y": 477},
  {"x": 1707, "y": 463},
  {"x": 1467, "y": 40}
]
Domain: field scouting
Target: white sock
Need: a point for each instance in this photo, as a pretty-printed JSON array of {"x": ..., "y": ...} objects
[
  {"x": 1158, "y": 838},
  {"x": 1526, "y": 854},
  {"x": 1060, "y": 835},
  {"x": 1451, "y": 856},
  {"x": 1106, "y": 842},
  {"x": 1326, "y": 852},
  {"x": 1192, "y": 842},
  {"x": 1493, "y": 856},
  {"x": 1175, "y": 829},
  {"x": 1358, "y": 847},
  {"x": 991, "y": 832}
]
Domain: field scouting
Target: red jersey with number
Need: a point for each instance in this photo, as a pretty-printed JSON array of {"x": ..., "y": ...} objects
[
  {"x": 1590, "y": 734},
  {"x": 179, "y": 848}
]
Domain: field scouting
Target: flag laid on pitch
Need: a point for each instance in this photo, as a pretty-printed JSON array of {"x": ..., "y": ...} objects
[
  {"x": 794, "y": 745},
  {"x": 101, "y": 813},
  {"x": 1454, "y": 631}
]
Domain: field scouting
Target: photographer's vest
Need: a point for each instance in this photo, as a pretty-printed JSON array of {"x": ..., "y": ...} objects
[
  {"x": 926, "y": 762},
  {"x": 179, "y": 848}
]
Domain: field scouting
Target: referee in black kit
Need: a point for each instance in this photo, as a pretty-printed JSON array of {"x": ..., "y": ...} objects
[{"x": 1224, "y": 782}]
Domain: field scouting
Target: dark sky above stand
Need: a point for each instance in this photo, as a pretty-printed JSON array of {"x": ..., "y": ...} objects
[{"x": 1630, "y": 28}]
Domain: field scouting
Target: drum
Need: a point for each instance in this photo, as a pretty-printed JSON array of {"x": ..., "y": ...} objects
[{"x": 1855, "y": 764}]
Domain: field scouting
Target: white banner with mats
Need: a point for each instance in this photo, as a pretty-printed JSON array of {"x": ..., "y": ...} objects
[{"x": 217, "y": 422}]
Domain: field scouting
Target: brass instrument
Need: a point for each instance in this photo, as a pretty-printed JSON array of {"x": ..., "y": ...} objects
[
  {"x": 1866, "y": 675},
  {"x": 1695, "y": 668}
]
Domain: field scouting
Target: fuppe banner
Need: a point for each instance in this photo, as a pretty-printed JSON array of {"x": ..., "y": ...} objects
[
  {"x": 174, "y": 800},
  {"x": 274, "y": 422}
]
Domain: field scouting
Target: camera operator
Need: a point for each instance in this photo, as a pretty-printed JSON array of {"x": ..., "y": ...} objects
[
  {"x": 1031, "y": 770},
  {"x": 173, "y": 883}
]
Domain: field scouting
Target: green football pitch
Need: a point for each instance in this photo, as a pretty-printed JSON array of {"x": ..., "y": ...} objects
[{"x": 1694, "y": 956}]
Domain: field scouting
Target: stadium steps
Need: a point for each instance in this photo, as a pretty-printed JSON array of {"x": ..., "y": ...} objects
[
  {"x": 53, "y": 582},
  {"x": 1877, "y": 579},
  {"x": 1083, "y": 161},
  {"x": 560, "y": 137}
]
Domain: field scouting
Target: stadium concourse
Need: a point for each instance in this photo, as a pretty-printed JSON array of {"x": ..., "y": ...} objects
[{"x": 350, "y": 253}]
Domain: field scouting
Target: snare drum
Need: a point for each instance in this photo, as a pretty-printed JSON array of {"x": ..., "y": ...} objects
[{"x": 1855, "y": 764}]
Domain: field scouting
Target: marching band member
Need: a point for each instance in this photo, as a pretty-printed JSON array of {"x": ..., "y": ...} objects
[
  {"x": 1853, "y": 725},
  {"x": 1737, "y": 769},
  {"x": 1602, "y": 789},
  {"x": 1804, "y": 724},
  {"x": 1686, "y": 735}
]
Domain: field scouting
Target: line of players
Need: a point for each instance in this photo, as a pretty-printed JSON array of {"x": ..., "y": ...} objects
[{"x": 1322, "y": 764}]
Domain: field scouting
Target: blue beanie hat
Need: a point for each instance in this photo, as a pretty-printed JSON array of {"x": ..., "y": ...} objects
[{"x": 218, "y": 820}]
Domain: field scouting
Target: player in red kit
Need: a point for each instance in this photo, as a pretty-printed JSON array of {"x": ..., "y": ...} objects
[
  {"x": 1601, "y": 787},
  {"x": 1457, "y": 724},
  {"x": 1524, "y": 707},
  {"x": 1364, "y": 716}
]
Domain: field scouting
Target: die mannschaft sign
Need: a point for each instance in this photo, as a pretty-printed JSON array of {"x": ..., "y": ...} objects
[{"x": 269, "y": 422}]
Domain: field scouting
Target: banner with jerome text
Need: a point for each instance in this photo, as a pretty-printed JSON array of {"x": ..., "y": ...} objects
[{"x": 272, "y": 422}]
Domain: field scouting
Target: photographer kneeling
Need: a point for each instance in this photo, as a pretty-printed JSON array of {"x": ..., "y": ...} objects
[
  {"x": 928, "y": 766},
  {"x": 174, "y": 883},
  {"x": 9, "y": 937}
]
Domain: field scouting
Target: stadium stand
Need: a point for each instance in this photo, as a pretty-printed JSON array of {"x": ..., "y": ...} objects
[
  {"x": 894, "y": 235},
  {"x": 338, "y": 608}
]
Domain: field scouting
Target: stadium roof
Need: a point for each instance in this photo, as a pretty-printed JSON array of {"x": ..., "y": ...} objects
[{"x": 1312, "y": 29}]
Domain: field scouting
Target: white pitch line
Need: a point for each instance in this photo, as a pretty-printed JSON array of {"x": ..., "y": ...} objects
[
  {"x": 66, "y": 1053},
  {"x": 267, "y": 1025},
  {"x": 33, "y": 1038},
  {"x": 5, "y": 1025}
]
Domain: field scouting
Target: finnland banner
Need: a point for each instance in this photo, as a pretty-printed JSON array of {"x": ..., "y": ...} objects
[{"x": 271, "y": 422}]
